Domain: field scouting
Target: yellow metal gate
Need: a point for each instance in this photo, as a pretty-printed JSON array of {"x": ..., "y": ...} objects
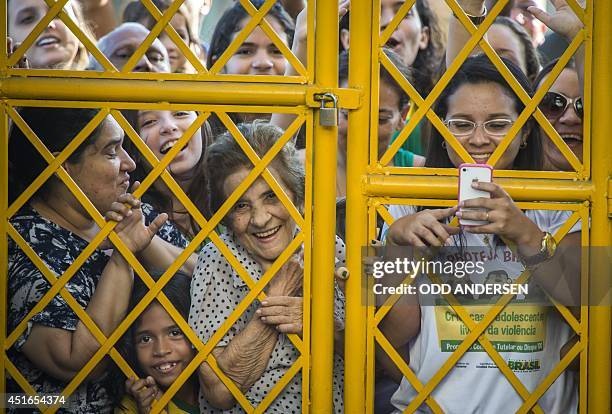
[
  {"x": 208, "y": 92},
  {"x": 584, "y": 191}
]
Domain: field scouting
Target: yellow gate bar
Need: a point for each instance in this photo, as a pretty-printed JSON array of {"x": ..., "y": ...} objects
[
  {"x": 599, "y": 363},
  {"x": 324, "y": 216},
  {"x": 446, "y": 187},
  {"x": 356, "y": 210},
  {"x": 3, "y": 237},
  {"x": 174, "y": 91}
]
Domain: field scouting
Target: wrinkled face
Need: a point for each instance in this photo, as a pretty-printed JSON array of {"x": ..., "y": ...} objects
[
  {"x": 260, "y": 222},
  {"x": 162, "y": 350},
  {"x": 102, "y": 172},
  {"x": 389, "y": 118},
  {"x": 178, "y": 61},
  {"x": 122, "y": 42},
  {"x": 410, "y": 36},
  {"x": 56, "y": 47},
  {"x": 507, "y": 44},
  {"x": 160, "y": 130},
  {"x": 568, "y": 125},
  {"x": 258, "y": 55},
  {"x": 480, "y": 103}
]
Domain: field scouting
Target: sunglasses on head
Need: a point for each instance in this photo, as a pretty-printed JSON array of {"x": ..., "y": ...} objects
[{"x": 554, "y": 104}]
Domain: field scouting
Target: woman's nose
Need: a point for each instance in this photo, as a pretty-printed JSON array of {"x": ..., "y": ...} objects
[
  {"x": 262, "y": 61},
  {"x": 386, "y": 16},
  {"x": 168, "y": 126},
  {"x": 570, "y": 117},
  {"x": 260, "y": 216},
  {"x": 479, "y": 137},
  {"x": 127, "y": 163},
  {"x": 143, "y": 65}
]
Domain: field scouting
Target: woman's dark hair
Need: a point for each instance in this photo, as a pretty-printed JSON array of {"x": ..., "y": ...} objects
[
  {"x": 532, "y": 59},
  {"x": 225, "y": 157},
  {"x": 56, "y": 127},
  {"x": 425, "y": 68},
  {"x": 479, "y": 70},
  {"x": 136, "y": 12},
  {"x": 159, "y": 199},
  {"x": 547, "y": 69},
  {"x": 177, "y": 290},
  {"x": 229, "y": 23},
  {"x": 404, "y": 99}
]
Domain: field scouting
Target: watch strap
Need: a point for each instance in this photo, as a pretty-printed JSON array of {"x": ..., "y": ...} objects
[{"x": 477, "y": 20}]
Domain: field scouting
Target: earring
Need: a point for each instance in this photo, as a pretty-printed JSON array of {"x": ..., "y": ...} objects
[
  {"x": 444, "y": 144},
  {"x": 523, "y": 145}
]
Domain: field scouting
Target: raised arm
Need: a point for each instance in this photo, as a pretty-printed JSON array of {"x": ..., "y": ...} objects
[
  {"x": 300, "y": 50},
  {"x": 457, "y": 34},
  {"x": 245, "y": 358},
  {"x": 564, "y": 22},
  {"x": 62, "y": 353}
]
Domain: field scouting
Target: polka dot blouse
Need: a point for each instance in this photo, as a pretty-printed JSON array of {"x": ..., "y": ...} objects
[{"x": 216, "y": 290}]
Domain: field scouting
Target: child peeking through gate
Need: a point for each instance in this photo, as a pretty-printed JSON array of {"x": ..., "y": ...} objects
[{"x": 157, "y": 349}]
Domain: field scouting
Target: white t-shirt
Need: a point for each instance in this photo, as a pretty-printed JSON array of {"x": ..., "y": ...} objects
[{"x": 528, "y": 336}]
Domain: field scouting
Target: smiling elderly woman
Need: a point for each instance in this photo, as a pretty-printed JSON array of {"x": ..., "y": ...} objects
[{"x": 255, "y": 352}]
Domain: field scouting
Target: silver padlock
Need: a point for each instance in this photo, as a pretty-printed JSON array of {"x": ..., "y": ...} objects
[{"x": 328, "y": 116}]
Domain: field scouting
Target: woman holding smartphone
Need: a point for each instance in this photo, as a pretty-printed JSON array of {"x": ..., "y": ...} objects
[{"x": 479, "y": 109}]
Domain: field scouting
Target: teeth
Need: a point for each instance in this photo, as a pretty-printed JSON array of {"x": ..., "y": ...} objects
[
  {"x": 267, "y": 233},
  {"x": 165, "y": 367},
  {"x": 576, "y": 137},
  {"x": 166, "y": 147},
  {"x": 481, "y": 156}
]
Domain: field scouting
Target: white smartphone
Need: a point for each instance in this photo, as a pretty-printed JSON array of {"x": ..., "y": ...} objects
[{"x": 468, "y": 173}]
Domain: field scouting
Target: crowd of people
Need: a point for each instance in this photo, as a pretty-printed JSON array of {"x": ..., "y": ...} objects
[{"x": 258, "y": 348}]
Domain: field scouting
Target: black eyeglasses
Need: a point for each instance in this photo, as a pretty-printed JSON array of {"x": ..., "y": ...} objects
[{"x": 554, "y": 104}]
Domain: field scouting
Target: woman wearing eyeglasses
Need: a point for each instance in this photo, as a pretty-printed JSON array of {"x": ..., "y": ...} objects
[
  {"x": 479, "y": 109},
  {"x": 563, "y": 107}
]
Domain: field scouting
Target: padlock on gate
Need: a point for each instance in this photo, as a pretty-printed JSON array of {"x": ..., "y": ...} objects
[{"x": 328, "y": 116}]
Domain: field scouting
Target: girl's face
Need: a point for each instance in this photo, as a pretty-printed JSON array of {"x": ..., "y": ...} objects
[
  {"x": 389, "y": 118},
  {"x": 568, "y": 124},
  {"x": 178, "y": 61},
  {"x": 480, "y": 103},
  {"x": 162, "y": 351},
  {"x": 160, "y": 130},
  {"x": 410, "y": 36},
  {"x": 258, "y": 55},
  {"x": 507, "y": 44},
  {"x": 56, "y": 47}
]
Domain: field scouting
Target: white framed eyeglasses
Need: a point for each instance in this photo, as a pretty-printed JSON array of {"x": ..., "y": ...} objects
[{"x": 465, "y": 127}]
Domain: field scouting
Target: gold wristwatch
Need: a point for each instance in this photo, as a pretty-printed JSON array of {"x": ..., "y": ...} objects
[{"x": 549, "y": 246}]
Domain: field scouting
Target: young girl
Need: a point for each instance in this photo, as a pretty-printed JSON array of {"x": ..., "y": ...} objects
[
  {"x": 160, "y": 130},
  {"x": 158, "y": 351},
  {"x": 57, "y": 47},
  {"x": 479, "y": 108},
  {"x": 258, "y": 55}
]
